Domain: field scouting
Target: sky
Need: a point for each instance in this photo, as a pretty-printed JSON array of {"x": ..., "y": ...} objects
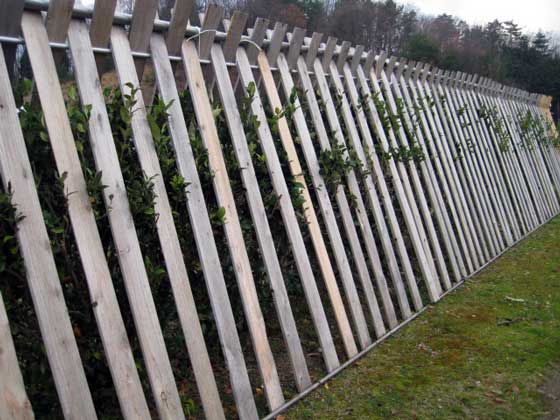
[{"x": 531, "y": 15}]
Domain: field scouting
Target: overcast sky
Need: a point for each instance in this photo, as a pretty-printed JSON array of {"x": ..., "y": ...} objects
[{"x": 530, "y": 15}]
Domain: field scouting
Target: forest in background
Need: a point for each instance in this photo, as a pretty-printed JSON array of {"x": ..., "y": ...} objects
[{"x": 499, "y": 50}]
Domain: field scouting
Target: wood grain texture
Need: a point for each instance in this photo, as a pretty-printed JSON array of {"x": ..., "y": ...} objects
[
  {"x": 232, "y": 227},
  {"x": 41, "y": 272},
  {"x": 360, "y": 214},
  {"x": 178, "y": 25},
  {"x": 141, "y": 29},
  {"x": 169, "y": 240},
  {"x": 202, "y": 231},
  {"x": 289, "y": 218},
  {"x": 135, "y": 278},
  {"x": 260, "y": 219},
  {"x": 309, "y": 211},
  {"x": 335, "y": 236},
  {"x": 14, "y": 403}
]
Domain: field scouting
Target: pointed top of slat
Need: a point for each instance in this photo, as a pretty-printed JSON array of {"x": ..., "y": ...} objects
[
  {"x": 391, "y": 64},
  {"x": 356, "y": 58},
  {"x": 380, "y": 63},
  {"x": 296, "y": 42},
  {"x": 328, "y": 53},
  {"x": 257, "y": 35},
  {"x": 409, "y": 69},
  {"x": 313, "y": 49},
  {"x": 342, "y": 55},
  {"x": 401, "y": 66},
  {"x": 101, "y": 22},
  {"x": 368, "y": 64},
  {"x": 234, "y": 33},
  {"x": 210, "y": 24},
  {"x": 276, "y": 41},
  {"x": 58, "y": 19},
  {"x": 425, "y": 71},
  {"x": 178, "y": 25}
]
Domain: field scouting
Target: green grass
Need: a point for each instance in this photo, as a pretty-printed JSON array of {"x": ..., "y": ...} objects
[{"x": 482, "y": 352}]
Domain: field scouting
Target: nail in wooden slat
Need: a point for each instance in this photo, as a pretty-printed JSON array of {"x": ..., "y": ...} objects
[
  {"x": 342, "y": 55},
  {"x": 178, "y": 25},
  {"x": 296, "y": 42}
]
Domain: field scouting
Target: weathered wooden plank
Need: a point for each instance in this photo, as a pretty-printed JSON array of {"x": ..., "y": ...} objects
[
  {"x": 434, "y": 186},
  {"x": 418, "y": 204},
  {"x": 257, "y": 36},
  {"x": 58, "y": 19},
  {"x": 467, "y": 236},
  {"x": 131, "y": 262},
  {"x": 327, "y": 210},
  {"x": 428, "y": 273},
  {"x": 14, "y": 403},
  {"x": 101, "y": 22},
  {"x": 41, "y": 272},
  {"x": 375, "y": 165},
  {"x": 361, "y": 214},
  {"x": 140, "y": 30},
  {"x": 328, "y": 52},
  {"x": 280, "y": 186},
  {"x": 10, "y": 20},
  {"x": 260, "y": 220},
  {"x": 234, "y": 33},
  {"x": 375, "y": 207},
  {"x": 342, "y": 55},
  {"x": 169, "y": 240},
  {"x": 178, "y": 25},
  {"x": 202, "y": 231},
  {"x": 313, "y": 48},
  {"x": 309, "y": 211},
  {"x": 278, "y": 34},
  {"x": 296, "y": 42},
  {"x": 234, "y": 234},
  {"x": 212, "y": 19}
]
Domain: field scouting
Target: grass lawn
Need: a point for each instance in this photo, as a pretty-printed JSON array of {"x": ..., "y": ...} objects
[{"x": 486, "y": 351}]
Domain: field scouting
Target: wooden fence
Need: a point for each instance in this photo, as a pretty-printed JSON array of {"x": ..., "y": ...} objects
[{"x": 442, "y": 172}]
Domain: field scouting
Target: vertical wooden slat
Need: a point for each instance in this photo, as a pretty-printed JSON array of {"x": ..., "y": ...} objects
[
  {"x": 178, "y": 25},
  {"x": 14, "y": 403},
  {"x": 309, "y": 212},
  {"x": 130, "y": 258},
  {"x": 212, "y": 19},
  {"x": 374, "y": 164},
  {"x": 58, "y": 19},
  {"x": 235, "y": 31},
  {"x": 257, "y": 36},
  {"x": 289, "y": 217},
  {"x": 140, "y": 30},
  {"x": 260, "y": 221},
  {"x": 234, "y": 234},
  {"x": 426, "y": 268},
  {"x": 374, "y": 205},
  {"x": 202, "y": 231},
  {"x": 106, "y": 309},
  {"x": 10, "y": 20},
  {"x": 41, "y": 272},
  {"x": 169, "y": 240},
  {"x": 100, "y": 28},
  {"x": 361, "y": 214},
  {"x": 418, "y": 203},
  {"x": 326, "y": 206}
]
